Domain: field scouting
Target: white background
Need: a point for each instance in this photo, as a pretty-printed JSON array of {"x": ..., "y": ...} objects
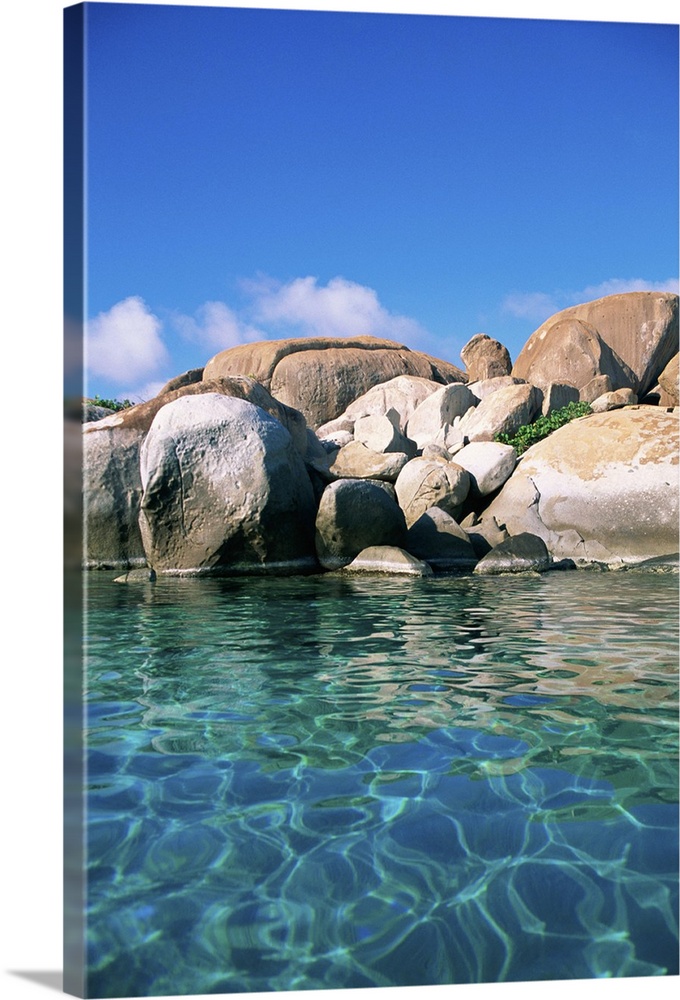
[{"x": 30, "y": 487}]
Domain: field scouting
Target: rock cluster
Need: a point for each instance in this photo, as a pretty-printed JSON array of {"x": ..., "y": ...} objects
[{"x": 359, "y": 455}]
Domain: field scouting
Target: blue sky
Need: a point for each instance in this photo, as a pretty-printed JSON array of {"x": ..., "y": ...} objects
[{"x": 268, "y": 173}]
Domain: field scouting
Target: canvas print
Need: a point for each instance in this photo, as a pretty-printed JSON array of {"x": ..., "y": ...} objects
[{"x": 371, "y": 502}]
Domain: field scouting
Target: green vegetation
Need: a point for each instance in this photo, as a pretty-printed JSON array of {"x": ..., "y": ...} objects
[
  {"x": 113, "y": 404},
  {"x": 529, "y": 434}
]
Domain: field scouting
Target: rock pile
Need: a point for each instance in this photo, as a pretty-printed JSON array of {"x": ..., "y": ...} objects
[{"x": 362, "y": 456}]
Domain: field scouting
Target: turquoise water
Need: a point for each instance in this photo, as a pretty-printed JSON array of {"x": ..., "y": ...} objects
[{"x": 324, "y": 782}]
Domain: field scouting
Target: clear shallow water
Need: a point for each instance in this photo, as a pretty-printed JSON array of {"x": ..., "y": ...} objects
[{"x": 321, "y": 782}]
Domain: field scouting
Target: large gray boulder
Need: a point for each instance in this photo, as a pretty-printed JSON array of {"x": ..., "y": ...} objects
[
  {"x": 438, "y": 539},
  {"x": 523, "y": 553},
  {"x": 321, "y": 376},
  {"x": 603, "y": 488},
  {"x": 356, "y": 514},
  {"x": 489, "y": 464},
  {"x": 112, "y": 486},
  {"x": 487, "y": 386},
  {"x": 434, "y": 415},
  {"x": 225, "y": 491},
  {"x": 501, "y": 412},
  {"x": 396, "y": 399},
  {"x": 388, "y": 559},
  {"x": 568, "y": 350},
  {"x": 112, "y": 491},
  {"x": 425, "y": 483},
  {"x": 381, "y": 434}
]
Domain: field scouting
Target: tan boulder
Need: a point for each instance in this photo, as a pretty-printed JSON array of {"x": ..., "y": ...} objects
[
  {"x": 568, "y": 350},
  {"x": 640, "y": 327},
  {"x": 603, "y": 488},
  {"x": 502, "y": 412},
  {"x": 613, "y": 400},
  {"x": 179, "y": 381},
  {"x": 356, "y": 461},
  {"x": 557, "y": 395},
  {"x": 322, "y": 376},
  {"x": 485, "y": 358},
  {"x": 670, "y": 382},
  {"x": 596, "y": 387}
]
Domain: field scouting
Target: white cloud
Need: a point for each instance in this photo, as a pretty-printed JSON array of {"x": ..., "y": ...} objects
[
  {"x": 216, "y": 326},
  {"x": 539, "y": 306},
  {"x": 616, "y": 286},
  {"x": 124, "y": 344},
  {"x": 530, "y": 305},
  {"x": 341, "y": 308}
]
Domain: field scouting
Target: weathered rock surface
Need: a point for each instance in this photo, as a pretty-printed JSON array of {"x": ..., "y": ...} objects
[
  {"x": 356, "y": 514},
  {"x": 434, "y": 415},
  {"x": 356, "y": 461},
  {"x": 569, "y": 350},
  {"x": 640, "y": 327},
  {"x": 557, "y": 395},
  {"x": 381, "y": 434},
  {"x": 489, "y": 385},
  {"x": 112, "y": 486},
  {"x": 425, "y": 483},
  {"x": 112, "y": 491},
  {"x": 523, "y": 553},
  {"x": 93, "y": 411},
  {"x": 485, "y": 358},
  {"x": 387, "y": 559},
  {"x": 613, "y": 400},
  {"x": 489, "y": 464},
  {"x": 484, "y": 534},
  {"x": 438, "y": 539},
  {"x": 225, "y": 490},
  {"x": 322, "y": 376},
  {"x": 502, "y": 412},
  {"x": 395, "y": 399},
  {"x": 600, "y": 489},
  {"x": 596, "y": 387},
  {"x": 669, "y": 380},
  {"x": 190, "y": 377}
]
